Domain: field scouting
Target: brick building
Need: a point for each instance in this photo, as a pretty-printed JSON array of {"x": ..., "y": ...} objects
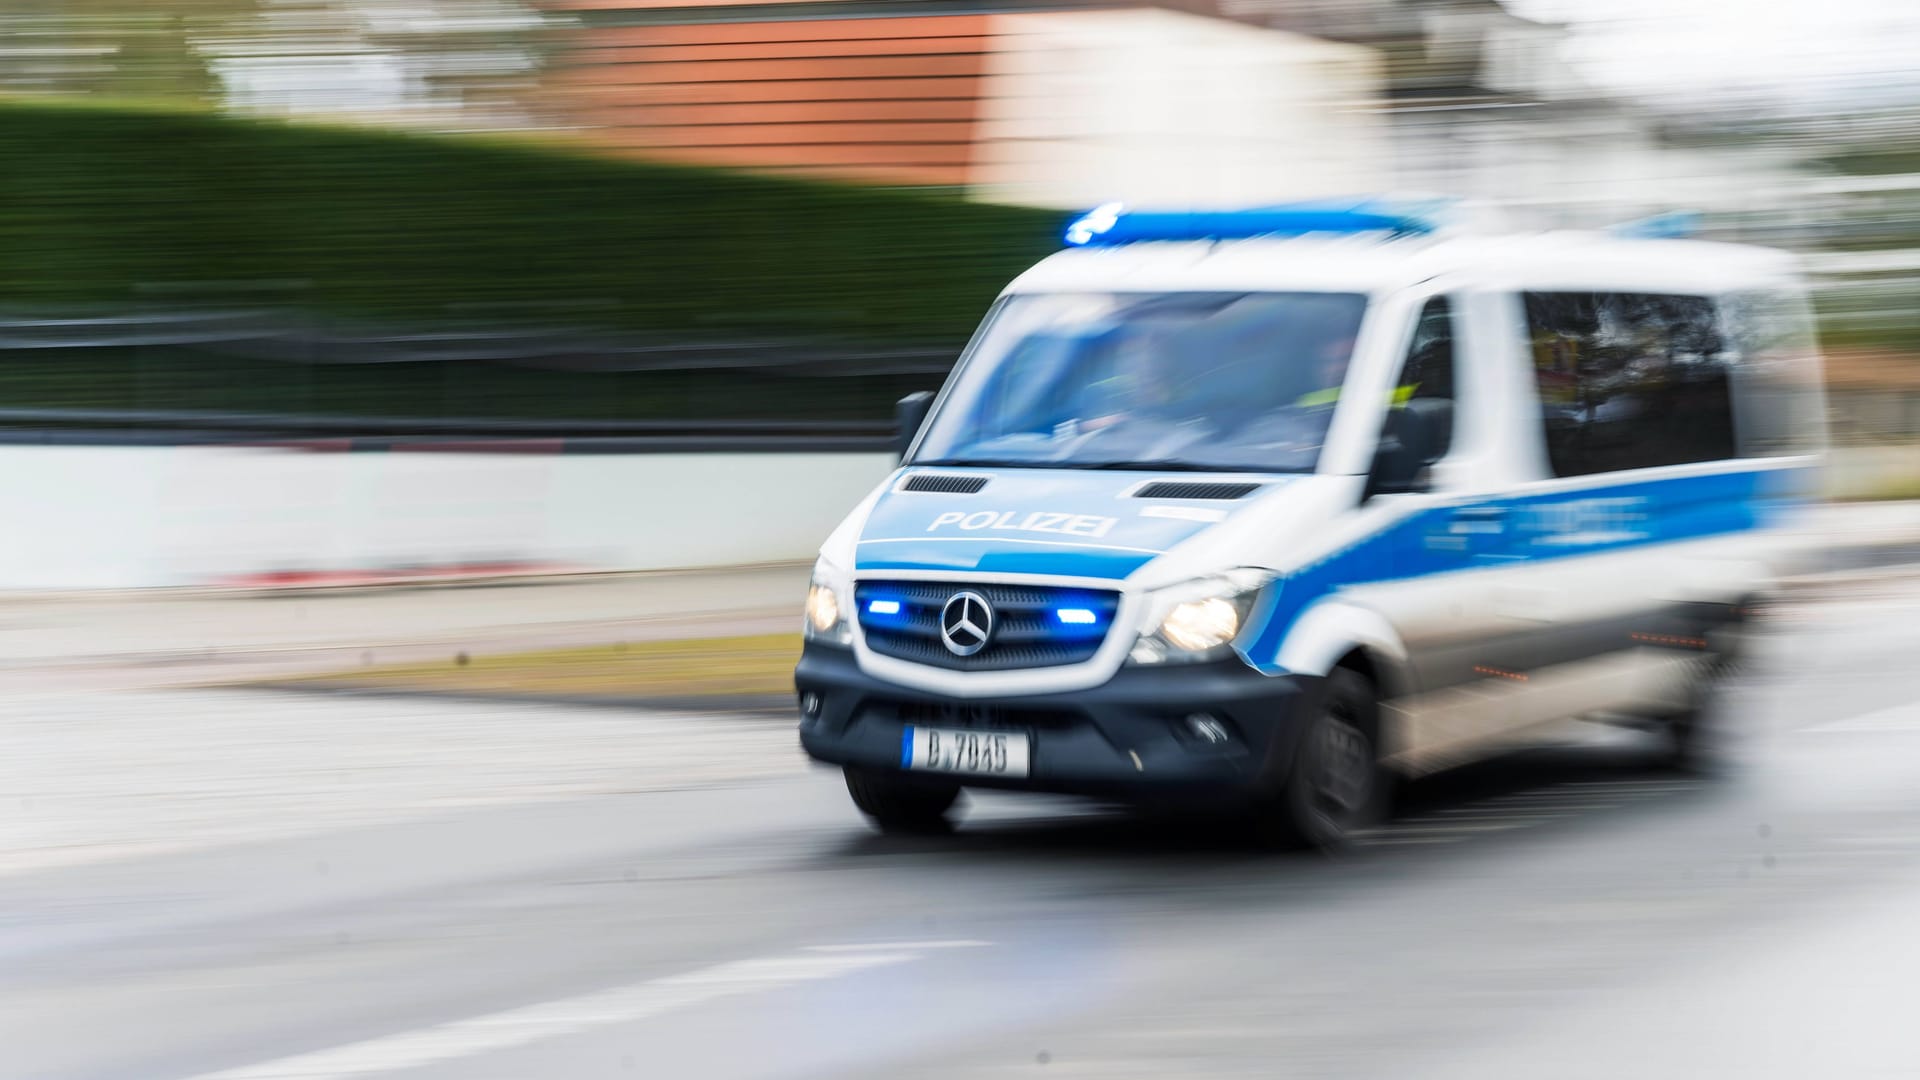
[{"x": 1056, "y": 103}]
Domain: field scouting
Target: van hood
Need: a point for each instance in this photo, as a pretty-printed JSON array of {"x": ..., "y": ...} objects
[{"x": 1061, "y": 522}]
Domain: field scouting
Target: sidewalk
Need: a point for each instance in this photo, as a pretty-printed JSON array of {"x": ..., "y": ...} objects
[{"x": 159, "y": 639}]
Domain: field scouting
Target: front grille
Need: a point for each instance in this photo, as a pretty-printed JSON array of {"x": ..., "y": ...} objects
[
  {"x": 945, "y": 482},
  {"x": 1187, "y": 489},
  {"x": 1028, "y": 631},
  {"x": 956, "y": 714}
]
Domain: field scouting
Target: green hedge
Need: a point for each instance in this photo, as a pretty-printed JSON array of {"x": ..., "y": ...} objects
[{"x": 101, "y": 205}]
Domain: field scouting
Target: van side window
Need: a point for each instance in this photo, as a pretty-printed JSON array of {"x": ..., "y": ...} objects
[
  {"x": 1428, "y": 373},
  {"x": 1630, "y": 380}
]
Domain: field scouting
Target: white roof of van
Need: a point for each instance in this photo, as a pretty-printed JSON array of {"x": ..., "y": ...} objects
[{"x": 1370, "y": 263}]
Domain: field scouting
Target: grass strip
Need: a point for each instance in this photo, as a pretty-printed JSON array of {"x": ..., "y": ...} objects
[{"x": 666, "y": 670}]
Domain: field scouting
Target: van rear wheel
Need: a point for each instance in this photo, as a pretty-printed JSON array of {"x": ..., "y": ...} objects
[
  {"x": 1335, "y": 785},
  {"x": 1705, "y": 738},
  {"x": 896, "y": 803},
  {"x": 1701, "y": 740}
]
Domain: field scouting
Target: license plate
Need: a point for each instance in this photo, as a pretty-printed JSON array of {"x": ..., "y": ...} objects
[{"x": 983, "y": 753}]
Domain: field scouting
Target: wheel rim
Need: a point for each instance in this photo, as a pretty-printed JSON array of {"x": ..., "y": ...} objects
[{"x": 1343, "y": 772}]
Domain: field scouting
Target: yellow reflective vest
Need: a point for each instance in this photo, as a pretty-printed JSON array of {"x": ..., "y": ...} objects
[{"x": 1331, "y": 396}]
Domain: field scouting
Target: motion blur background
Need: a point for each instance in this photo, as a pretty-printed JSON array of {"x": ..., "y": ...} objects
[
  {"x": 418, "y": 419},
  {"x": 375, "y": 225}
]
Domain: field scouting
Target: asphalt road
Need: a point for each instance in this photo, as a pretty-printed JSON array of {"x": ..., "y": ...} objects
[{"x": 265, "y": 886}]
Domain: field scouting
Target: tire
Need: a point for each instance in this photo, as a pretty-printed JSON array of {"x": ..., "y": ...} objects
[
  {"x": 898, "y": 805},
  {"x": 1335, "y": 785},
  {"x": 1702, "y": 740}
]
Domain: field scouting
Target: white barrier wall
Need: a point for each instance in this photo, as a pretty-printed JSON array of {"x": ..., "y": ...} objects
[{"x": 131, "y": 517}]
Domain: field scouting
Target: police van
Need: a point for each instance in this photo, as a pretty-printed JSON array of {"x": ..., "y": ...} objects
[{"x": 1260, "y": 509}]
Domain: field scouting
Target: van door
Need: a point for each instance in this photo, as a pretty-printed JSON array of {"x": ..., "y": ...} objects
[
  {"x": 1467, "y": 650},
  {"x": 1568, "y": 547},
  {"x": 1623, "y": 543}
]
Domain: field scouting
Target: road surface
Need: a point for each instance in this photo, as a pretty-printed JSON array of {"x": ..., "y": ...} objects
[{"x": 244, "y": 885}]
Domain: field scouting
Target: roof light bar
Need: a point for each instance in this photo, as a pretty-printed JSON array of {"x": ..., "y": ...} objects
[{"x": 1113, "y": 225}]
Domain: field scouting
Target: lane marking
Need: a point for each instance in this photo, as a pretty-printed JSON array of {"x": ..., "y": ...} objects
[{"x": 517, "y": 1027}]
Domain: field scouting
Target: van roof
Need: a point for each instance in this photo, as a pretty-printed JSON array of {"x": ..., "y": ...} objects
[{"x": 1372, "y": 263}]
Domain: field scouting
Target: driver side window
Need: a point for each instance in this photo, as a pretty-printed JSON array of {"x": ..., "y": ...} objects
[
  {"x": 1419, "y": 425},
  {"x": 1428, "y": 372}
]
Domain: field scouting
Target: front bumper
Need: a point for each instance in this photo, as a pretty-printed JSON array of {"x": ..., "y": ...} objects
[{"x": 1125, "y": 739}]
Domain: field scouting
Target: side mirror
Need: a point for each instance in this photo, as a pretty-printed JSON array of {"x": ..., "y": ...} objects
[
  {"x": 908, "y": 415},
  {"x": 1414, "y": 437}
]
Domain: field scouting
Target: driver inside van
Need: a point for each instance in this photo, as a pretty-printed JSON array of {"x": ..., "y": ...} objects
[
  {"x": 1330, "y": 372},
  {"x": 1213, "y": 380},
  {"x": 1137, "y": 385}
]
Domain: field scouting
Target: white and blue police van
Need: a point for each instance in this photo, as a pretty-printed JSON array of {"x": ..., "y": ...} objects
[{"x": 1260, "y": 509}]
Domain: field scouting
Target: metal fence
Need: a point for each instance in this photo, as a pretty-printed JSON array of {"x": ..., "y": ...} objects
[{"x": 251, "y": 374}]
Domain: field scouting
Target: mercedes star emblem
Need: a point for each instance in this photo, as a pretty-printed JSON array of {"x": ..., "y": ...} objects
[{"x": 966, "y": 623}]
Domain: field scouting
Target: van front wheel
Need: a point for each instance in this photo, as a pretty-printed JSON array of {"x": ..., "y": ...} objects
[
  {"x": 898, "y": 804},
  {"x": 1335, "y": 785}
]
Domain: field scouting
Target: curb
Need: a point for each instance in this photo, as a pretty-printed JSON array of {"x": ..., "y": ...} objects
[{"x": 734, "y": 706}]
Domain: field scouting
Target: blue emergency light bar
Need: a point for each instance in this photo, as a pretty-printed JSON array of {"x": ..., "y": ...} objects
[{"x": 1113, "y": 225}]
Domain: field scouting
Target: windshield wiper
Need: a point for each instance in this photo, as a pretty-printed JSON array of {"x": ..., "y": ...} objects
[
  {"x": 1169, "y": 465},
  {"x": 985, "y": 463}
]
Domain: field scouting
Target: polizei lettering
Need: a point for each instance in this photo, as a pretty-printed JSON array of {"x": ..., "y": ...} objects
[{"x": 1037, "y": 521}]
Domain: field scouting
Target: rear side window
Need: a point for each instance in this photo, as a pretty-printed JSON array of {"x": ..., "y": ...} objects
[
  {"x": 1782, "y": 402},
  {"x": 1630, "y": 380}
]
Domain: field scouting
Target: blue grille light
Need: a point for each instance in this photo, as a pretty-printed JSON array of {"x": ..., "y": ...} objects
[
  {"x": 1113, "y": 225},
  {"x": 1077, "y": 616},
  {"x": 883, "y": 607}
]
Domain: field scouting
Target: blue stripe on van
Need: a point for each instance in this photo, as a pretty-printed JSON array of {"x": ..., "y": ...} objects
[
  {"x": 1496, "y": 532},
  {"x": 991, "y": 558}
]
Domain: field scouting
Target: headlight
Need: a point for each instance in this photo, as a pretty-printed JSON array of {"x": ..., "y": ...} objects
[
  {"x": 1199, "y": 625},
  {"x": 826, "y": 622},
  {"x": 1197, "y": 620},
  {"x": 823, "y": 608}
]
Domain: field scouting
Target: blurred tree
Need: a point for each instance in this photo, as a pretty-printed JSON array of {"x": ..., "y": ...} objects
[
  {"x": 452, "y": 63},
  {"x": 448, "y": 63},
  {"x": 118, "y": 48}
]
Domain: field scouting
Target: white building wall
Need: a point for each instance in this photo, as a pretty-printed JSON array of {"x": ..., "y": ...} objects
[
  {"x": 91, "y": 517},
  {"x": 1156, "y": 107}
]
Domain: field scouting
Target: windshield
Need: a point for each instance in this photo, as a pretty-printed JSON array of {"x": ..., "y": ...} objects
[{"x": 1230, "y": 382}]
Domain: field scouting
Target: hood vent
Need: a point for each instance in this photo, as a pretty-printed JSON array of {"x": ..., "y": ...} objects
[
  {"x": 943, "y": 482},
  {"x": 1184, "y": 489}
]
